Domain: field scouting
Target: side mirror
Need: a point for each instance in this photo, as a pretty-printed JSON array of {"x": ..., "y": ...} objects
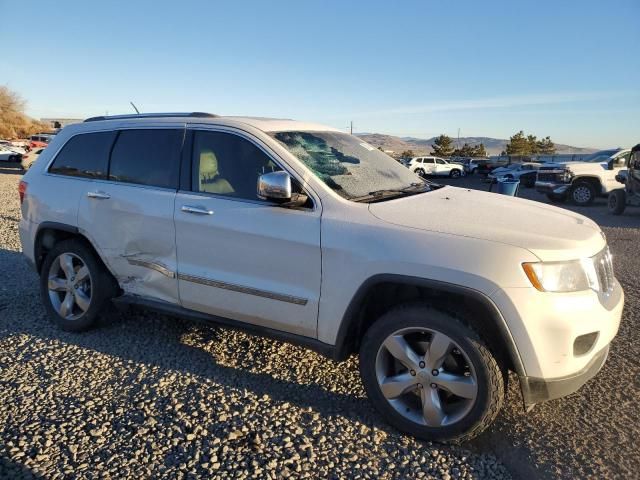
[{"x": 277, "y": 187}]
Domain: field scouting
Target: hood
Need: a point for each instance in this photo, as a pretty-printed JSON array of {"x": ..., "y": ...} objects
[
  {"x": 573, "y": 165},
  {"x": 549, "y": 232}
]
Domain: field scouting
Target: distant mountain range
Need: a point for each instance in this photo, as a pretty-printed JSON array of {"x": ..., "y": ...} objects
[{"x": 422, "y": 146}]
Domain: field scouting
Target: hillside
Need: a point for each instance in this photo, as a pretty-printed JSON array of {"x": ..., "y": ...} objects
[{"x": 421, "y": 146}]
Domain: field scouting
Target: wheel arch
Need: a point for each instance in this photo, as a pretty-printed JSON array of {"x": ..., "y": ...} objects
[
  {"x": 51, "y": 233},
  {"x": 382, "y": 292},
  {"x": 593, "y": 179}
]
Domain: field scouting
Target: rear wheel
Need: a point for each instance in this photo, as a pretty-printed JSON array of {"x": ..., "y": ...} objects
[
  {"x": 74, "y": 285},
  {"x": 528, "y": 181},
  {"x": 583, "y": 193},
  {"x": 617, "y": 201},
  {"x": 455, "y": 173},
  {"x": 430, "y": 375}
]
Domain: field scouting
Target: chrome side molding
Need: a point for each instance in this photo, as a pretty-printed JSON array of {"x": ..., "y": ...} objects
[
  {"x": 242, "y": 289},
  {"x": 158, "y": 267}
]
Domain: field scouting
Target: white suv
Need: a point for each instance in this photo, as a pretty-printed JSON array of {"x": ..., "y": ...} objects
[
  {"x": 306, "y": 234},
  {"x": 435, "y": 166}
]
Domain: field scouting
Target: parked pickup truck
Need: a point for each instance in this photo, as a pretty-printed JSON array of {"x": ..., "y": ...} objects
[{"x": 584, "y": 180}]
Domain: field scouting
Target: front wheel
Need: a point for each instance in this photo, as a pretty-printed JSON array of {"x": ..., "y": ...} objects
[
  {"x": 419, "y": 171},
  {"x": 431, "y": 376},
  {"x": 455, "y": 173},
  {"x": 583, "y": 193},
  {"x": 617, "y": 201}
]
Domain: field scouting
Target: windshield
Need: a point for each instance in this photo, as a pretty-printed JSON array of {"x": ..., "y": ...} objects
[
  {"x": 351, "y": 167},
  {"x": 601, "y": 156}
]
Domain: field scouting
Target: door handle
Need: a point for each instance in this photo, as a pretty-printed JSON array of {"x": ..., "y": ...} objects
[
  {"x": 98, "y": 195},
  {"x": 196, "y": 210}
]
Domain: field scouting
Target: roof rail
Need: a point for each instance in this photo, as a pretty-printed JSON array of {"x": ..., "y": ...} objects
[{"x": 152, "y": 115}]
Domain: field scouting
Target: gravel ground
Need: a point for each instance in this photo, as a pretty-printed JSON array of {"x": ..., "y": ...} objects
[
  {"x": 149, "y": 396},
  {"x": 146, "y": 396}
]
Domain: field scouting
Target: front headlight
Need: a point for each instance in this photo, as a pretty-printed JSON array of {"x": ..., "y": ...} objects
[{"x": 570, "y": 276}]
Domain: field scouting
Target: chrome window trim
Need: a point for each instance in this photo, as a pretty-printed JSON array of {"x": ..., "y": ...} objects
[
  {"x": 267, "y": 151},
  {"x": 116, "y": 129},
  {"x": 243, "y": 289}
]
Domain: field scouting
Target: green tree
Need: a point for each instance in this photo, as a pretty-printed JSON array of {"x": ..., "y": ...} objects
[
  {"x": 407, "y": 154},
  {"x": 442, "y": 146},
  {"x": 546, "y": 146},
  {"x": 532, "y": 140},
  {"x": 465, "y": 151},
  {"x": 470, "y": 151},
  {"x": 479, "y": 151},
  {"x": 518, "y": 145}
]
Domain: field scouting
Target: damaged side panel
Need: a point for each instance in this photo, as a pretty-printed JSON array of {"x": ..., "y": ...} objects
[{"x": 135, "y": 233}]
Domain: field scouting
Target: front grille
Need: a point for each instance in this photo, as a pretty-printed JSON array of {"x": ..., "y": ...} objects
[
  {"x": 604, "y": 270},
  {"x": 553, "y": 175}
]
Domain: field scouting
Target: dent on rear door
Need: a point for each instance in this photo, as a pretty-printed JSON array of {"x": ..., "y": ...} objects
[{"x": 135, "y": 233}]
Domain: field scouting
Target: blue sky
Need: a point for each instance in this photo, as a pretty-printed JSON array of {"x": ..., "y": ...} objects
[{"x": 411, "y": 68}]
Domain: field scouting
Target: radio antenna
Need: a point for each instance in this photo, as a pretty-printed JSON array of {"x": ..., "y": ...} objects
[{"x": 134, "y": 107}]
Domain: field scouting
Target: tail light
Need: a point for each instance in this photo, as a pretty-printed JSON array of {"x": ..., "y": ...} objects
[{"x": 22, "y": 190}]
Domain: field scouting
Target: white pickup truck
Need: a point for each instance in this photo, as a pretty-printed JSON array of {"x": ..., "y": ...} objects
[{"x": 582, "y": 181}]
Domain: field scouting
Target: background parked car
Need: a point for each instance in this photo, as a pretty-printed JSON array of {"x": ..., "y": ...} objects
[
  {"x": 525, "y": 172},
  {"x": 7, "y": 155},
  {"x": 40, "y": 140},
  {"x": 30, "y": 158},
  {"x": 435, "y": 166}
]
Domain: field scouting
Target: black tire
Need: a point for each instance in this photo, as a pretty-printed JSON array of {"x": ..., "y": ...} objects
[
  {"x": 419, "y": 171},
  {"x": 455, "y": 173},
  {"x": 491, "y": 378},
  {"x": 617, "y": 201},
  {"x": 103, "y": 285},
  {"x": 582, "y": 193},
  {"x": 528, "y": 181},
  {"x": 556, "y": 198}
]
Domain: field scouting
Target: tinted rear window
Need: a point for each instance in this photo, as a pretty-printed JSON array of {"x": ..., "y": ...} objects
[
  {"x": 85, "y": 155},
  {"x": 147, "y": 157}
]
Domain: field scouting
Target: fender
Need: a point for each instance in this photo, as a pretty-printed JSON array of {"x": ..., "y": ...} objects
[{"x": 350, "y": 319}]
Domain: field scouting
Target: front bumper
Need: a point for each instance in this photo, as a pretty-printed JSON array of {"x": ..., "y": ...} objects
[
  {"x": 549, "y": 330},
  {"x": 552, "y": 187},
  {"x": 536, "y": 390}
]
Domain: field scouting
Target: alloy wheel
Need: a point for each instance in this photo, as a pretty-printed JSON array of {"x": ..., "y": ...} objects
[
  {"x": 69, "y": 286},
  {"x": 581, "y": 194},
  {"x": 426, "y": 377}
]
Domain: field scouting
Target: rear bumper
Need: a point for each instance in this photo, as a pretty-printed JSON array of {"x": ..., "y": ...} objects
[
  {"x": 536, "y": 390},
  {"x": 552, "y": 187}
]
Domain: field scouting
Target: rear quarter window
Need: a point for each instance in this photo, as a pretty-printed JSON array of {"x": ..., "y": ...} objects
[{"x": 85, "y": 155}]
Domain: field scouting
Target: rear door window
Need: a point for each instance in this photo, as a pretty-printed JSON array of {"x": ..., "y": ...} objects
[
  {"x": 85, "y": 155},
  {"x": 147, "y": 157}
]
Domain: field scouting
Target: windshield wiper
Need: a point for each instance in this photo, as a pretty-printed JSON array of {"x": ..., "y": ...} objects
[{"x": 377, "y": 195}]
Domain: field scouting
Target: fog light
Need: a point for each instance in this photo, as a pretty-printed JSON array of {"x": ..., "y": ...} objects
[{"x": 584, "y": 343}]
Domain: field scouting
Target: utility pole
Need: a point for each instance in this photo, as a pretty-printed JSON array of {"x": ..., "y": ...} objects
[
  {"x": 351, "y": 127},
  {"x": 458, "y": 138}
]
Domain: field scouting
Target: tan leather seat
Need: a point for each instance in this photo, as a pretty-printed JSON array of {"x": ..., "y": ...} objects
[{"x": 210, "y": 179}]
